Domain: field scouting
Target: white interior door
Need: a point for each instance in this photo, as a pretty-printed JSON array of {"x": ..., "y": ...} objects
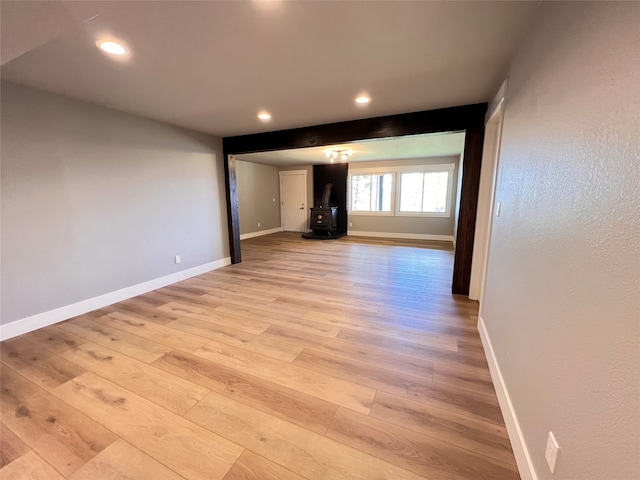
[{"x": 293, "y": 201}]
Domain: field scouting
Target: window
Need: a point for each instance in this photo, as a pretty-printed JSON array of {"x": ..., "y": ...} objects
[
  {"x": 422, "y": 191},
  {"x": 371, "y": 192}
]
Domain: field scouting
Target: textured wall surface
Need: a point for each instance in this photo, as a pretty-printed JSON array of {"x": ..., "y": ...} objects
[
  {"x": 562, "y": 305},
  {"x": 95, "y": 200},
  {"x": 258, "y": 185}
]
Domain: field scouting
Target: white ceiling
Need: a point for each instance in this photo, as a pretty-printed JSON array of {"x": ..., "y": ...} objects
[
  {"x": 212, "y": 65},
  {"x": 397, "y": 148}
]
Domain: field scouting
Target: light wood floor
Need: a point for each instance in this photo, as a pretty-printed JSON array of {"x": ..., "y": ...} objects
[{"x": 345, "y": 359}]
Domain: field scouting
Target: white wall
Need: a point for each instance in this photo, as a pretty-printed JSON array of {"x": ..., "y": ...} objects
[
  {"x": 95, "y": 200},
  {"x": 562, "y": 304}
]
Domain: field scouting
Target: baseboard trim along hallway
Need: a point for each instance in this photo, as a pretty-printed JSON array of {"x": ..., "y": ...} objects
[
  {"x": 520, "y": 450},
  {"x": 40, "y": 320},
  {"x": 260, "y": 233},
  {"x": 404, "y": 236}
]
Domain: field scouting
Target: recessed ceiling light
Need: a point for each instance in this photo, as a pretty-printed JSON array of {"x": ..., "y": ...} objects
[
  {"x": 363, "y": 99},
  {"x": 112, "y": 48},
  {"x": 264, "y": 116}
]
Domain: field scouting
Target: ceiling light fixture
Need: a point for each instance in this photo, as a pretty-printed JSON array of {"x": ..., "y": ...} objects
[
  {"x": 343, "y": 155},
  {"x": 264, "y": 116},
  {"x": 112, "y": 48},
  {"x": 363, "y": 99}
]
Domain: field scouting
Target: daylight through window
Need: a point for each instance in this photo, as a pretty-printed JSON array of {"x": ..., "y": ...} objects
[
  {"x": 371, "y": 193},
  {"x": 422, "y": 190}
]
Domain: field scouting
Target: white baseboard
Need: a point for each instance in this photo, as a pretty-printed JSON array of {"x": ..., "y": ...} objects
[
  {"x": 520, "y": 450},
  {"x": 409, "y": 236},
  {"x": 25, "y": 325},
  {"x": 244, "y": 236}
]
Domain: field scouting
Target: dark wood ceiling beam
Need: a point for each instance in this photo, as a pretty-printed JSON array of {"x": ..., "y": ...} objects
[{"x": 430, "y": 121}]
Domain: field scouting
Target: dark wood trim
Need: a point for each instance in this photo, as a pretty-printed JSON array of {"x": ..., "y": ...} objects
[
  {"x": 430, "y": 121},
  {"x": 472, "y": 161},
  {"x": 469, "y": 118},
  {"x": 233, "y": 217}
]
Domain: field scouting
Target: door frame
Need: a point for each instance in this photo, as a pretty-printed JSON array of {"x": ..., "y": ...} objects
[
  {"x": 486, "y": 193},
  {"x": 486, "y": 198},
  {"x": 495, "y": 122},
  {"x": 283, "y": 173},
  {"x": 467, "y": 118}
]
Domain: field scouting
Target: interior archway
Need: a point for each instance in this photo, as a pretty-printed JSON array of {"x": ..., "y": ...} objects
[{"x": 469, "y": 118}]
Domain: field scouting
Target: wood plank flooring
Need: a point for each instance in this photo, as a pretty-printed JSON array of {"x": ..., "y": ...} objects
[{"x": 345, "y": 359}]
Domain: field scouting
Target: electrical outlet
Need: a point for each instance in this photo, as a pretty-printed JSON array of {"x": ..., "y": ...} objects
[
  {"x": 274, "y": 199},
  {"x": 551, "y": 452},
  {"x": 258, "y": 223},
  {"x": 177, "y": 259},
  {"x": 351, "y": 224}
]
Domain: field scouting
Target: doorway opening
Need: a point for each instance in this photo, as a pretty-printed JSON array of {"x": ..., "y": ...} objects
[{"x": 469, "y": 119}]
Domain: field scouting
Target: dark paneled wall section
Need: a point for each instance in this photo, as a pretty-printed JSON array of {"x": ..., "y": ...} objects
[{"x": 336, "y": 174}]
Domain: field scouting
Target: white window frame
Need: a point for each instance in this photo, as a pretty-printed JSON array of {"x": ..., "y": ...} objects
[
  {"x": 372, "y": 171},
  {"x": 445, "y": 167}
]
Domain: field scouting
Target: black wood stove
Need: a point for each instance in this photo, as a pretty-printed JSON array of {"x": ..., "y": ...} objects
[{"x": 324, "y": 219}]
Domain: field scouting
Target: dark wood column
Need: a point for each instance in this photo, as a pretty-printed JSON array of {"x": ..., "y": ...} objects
[
  {"x": 233, "y": 217},
  {"x": 473, "y": 143}
]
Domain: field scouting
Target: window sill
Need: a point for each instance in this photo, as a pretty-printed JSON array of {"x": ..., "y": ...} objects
[
  {"x": 371, "y": 214},
  {"x": 427, "y": 215}
]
